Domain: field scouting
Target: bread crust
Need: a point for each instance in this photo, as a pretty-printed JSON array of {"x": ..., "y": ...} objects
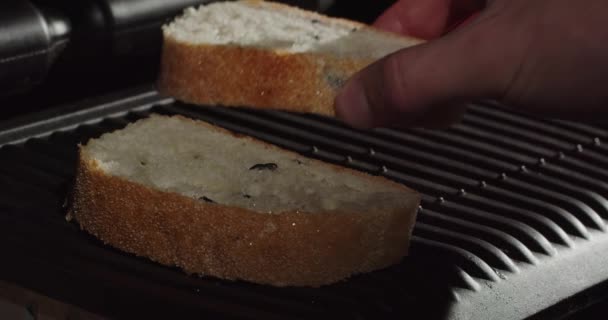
[
  {"x": 231, "y": 75},
  {"x": 238, "y": 76},
  {"x": 285, "y": 249}
]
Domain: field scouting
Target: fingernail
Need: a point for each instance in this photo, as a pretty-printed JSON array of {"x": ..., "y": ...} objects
[{"x": 352, "y": 106}]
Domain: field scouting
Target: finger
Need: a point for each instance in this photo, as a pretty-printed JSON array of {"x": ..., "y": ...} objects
[
  {"x": 407, "y": 87},
  {"x": 426, "y": 19},
  {"x": 462, "y": 12}
]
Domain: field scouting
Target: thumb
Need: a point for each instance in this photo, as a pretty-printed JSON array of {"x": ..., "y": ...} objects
[{"x": 427, "y": 84}]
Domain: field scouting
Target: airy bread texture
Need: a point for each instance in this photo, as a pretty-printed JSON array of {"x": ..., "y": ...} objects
[
  {"x": 185, "y": 193},
  {"x": 266, "y": 55}
]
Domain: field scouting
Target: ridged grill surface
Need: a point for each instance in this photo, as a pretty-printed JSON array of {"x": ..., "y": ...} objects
[{"x": 500, "y": 191}]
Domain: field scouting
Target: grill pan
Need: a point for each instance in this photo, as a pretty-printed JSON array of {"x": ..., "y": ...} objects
[{"x": 512, "y": 223}]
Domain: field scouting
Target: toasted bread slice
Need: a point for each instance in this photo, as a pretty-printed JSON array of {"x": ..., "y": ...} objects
[
  {"x": 266, "y": 55},
  {"x": 188, "y": 194}
]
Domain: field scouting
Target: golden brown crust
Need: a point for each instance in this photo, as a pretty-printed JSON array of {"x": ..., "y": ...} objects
[
  {"x": 237, "y": 76},
  {"x": 286, "y": 249},
  {"x": 230, "y": 75}
]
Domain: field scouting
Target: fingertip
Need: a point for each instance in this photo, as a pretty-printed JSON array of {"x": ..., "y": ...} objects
[
  {"x": 423, "y": 19},
  {"x": 390, "y": 21},
  {"x": 352, "y": 106},
  {"x": 390, "y": 25}
]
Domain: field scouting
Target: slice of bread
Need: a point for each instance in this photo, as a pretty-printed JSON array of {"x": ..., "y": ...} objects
[
  {"x": 185, "y": 193},
  {"x": 266, "y": 55}
]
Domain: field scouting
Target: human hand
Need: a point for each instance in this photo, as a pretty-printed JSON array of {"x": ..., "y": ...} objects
[{"x": 545, "y": 57}]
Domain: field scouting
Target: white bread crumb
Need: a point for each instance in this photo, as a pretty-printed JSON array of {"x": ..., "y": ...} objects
[
  {"x": 170, "y": 154},
  {"x": 252, "y": 24}
]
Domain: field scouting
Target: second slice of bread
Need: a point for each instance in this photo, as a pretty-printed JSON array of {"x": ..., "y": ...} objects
[
  {"x": 185, "y": 193},
  {"x": 266, "y": 55}
]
